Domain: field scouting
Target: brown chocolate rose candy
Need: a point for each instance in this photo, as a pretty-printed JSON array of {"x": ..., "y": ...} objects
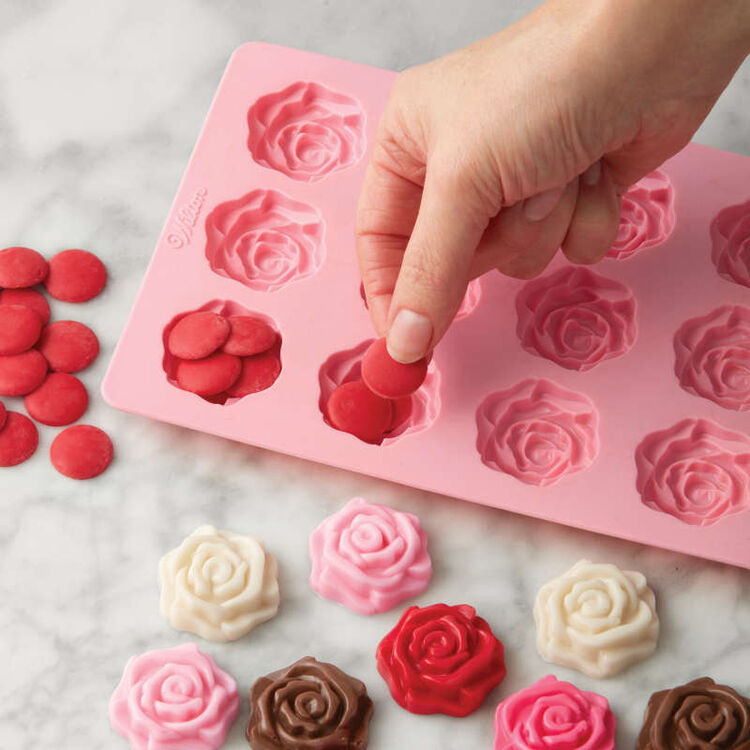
[
  {"x": 700, "y": 714},
  {"x": 308, "y": 706}
]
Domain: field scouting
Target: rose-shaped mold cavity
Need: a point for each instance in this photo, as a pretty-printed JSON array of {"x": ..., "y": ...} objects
[
  {"x": 441, "y": 659},
  {"x": 597, "y": 619},
  {"x": 174, "y": 698},
  {"x": 554, "y": 714},
  {"x": 265, "y": 240},
  {"x": 696, "y": 471},
  {"x": 576, "y": 318},
  {"x": 345, "y": 367},
  {"x": 226, "y": 308},
  {"x": 310, "y": 705},
  {"x": 700, "y": 714},
  {"x": 537, "y": 431},
  {"x": 647, "y": 215},
  {"x": 369, "y": 557},
  {"x": 306, "y": 131},
  {"x": 469, "y": 303},
  {"x": 218, "y": 585},
  {"x": 730, "y": 243},
  {"x": 712, "y": 356}
]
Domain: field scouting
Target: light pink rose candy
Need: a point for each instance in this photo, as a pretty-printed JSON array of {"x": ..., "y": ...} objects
[
  {"x": 369, "y": 557},
  {"x": 174, "y": 699}
]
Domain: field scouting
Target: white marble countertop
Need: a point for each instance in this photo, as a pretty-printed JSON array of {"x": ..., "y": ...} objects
[{"x": 100, "y": 104}]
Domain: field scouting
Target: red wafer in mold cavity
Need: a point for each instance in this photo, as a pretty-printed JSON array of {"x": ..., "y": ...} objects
[
  {"x": 19, "y": 329},
  {"x": 68, "y": 346},
  {"x": 19, "y": 439},
  {"x": 28, "y": 298},
  {"x": 258, "y": 373},
  {"x": 209, "y": 376},
  {"x": 21, "y": 373},
  {"x": 3, "y": 415},
  {"x": 248, "y": 336},
  {"x": 354, "y": 408},
  {"x": 389, "y": 378},
  {"x": 81, "y": 452},
  {"x": 75, "y": 276},
  {"x": 198, "y": 334},
  {"x": 61, "y": 399},
  {"x": 21, "y": 267}
]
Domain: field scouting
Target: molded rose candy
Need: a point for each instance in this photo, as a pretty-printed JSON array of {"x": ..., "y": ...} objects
[
  {"x": 174, "y": 698},
  {"x": 388, "y": 378},
  {"x": 730, "y": 237},
  {"x": 68, "y": 346},
  {"x": 19, "y": 329},
  {"x": 21, "y": 267},
  {"x": 700, "y": 714},
  {"x": 22, "y": 373},
  {"x": 354, "y": 408},
  {"x": 18, "y": 438},
  {"x": 218, "y": 585},
  {"x": 61, "y": 399},
  {"x": 554, "y": 714},
  {"x": 198, "y": 334},
  {"x": 81, "y": 452},
  {"x": 369, "y": 557},
  {"x": 75, "y": 276},
  {"x": 249, "y": 335},
  {"x": 210, "y": 375},
  {"x": 597, "y": 619},
  {"x": 310, "y": 705},
  {"x": 441, "y": 659},
  {"x": 28, "y": 298}
]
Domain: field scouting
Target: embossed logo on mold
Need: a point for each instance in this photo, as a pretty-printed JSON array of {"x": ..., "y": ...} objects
[
  {"x": 306, "y": 131},
  {"x": 576, "y": 318},
  {"x": 730, "y": 238},
  {"x": 265, "y": 240},
  {"x": 696, "y": 471},
  {"x": 537, "y": 431},
  {"x": 182, "y": 226}
]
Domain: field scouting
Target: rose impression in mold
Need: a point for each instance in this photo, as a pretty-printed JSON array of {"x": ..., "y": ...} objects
[{"x": 730, "y": 243}]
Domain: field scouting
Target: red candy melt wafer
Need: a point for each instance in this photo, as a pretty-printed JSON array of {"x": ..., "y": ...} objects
[
  {"x": 197, "y": 335},
  {"x": 75, "y": 276},
  {"x": 249, "y": 336},
  {"x": 21, "y": 373},
  {"x": 21, "y": 267},
  {"x": 81, "y": 452},
  {"x": 18, "y": 439},
  {"x": 28, "y": 298},
  {"x": 210, "y": 375},
  {"x": 388, "y": 378},
  {"x": 3, "y": 414},
  {"x": 19, "y": 328},
  {"x": 68, "y": 346},
  {"x": 61, "y": 399},
  {"x": 354, "y": 408},
  {"x": 258, "y": 373}
]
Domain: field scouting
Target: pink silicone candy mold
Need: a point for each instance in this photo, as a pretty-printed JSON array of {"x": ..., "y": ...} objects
[
  {"x": 265, "y": 240},
  {"x": 576, "y": 318},
  {"x": 712, "y": 356},
  {"x": 537, "y": 431},
  {"x": 696, "y": 471},
  {"x": 345, "y": 366},
  {"x": 306, "y": 131},
  {"x": 647, "y": 216},
  {"x": 730, "y": 240}
]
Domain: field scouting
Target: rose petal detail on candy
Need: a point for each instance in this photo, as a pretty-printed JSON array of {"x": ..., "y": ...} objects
[
  {"x": 537, "y": 431},
  {"x": 647, "y": 215},
  {"x": 554, "y": 714},
  {"x": 218, "y": 585},
  {"x": 597, "y": 619},
  {"x": 174, "y": 698},
  {"x": 576, "y": 318},
  {"x": 699, "y": 714},
  {"x": 310, "y": 705},
  {"x": 441, "y": 659},
  {"x": 696, "y": 471},
  {"x": 306, "y": 131},
  {"x": 730, "y": 248},
  {"x": 369, "y": 557}
]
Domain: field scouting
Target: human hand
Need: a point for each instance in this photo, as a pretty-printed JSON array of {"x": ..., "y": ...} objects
[{"x": 500, "y": 153}]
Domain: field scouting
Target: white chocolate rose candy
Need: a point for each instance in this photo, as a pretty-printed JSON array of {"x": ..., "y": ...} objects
[
  {"x": 218, "y": 585},
  {"x": 597, "y": 619}
]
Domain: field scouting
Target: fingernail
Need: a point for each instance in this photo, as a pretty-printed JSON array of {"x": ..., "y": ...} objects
[
  {"x": 540, "y": 206},
  {"x": 593, "y": 174},
  {"x": 409, "y": 337}
]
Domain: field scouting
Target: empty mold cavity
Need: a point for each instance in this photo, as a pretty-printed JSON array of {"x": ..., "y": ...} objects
[
  {"x": 306, "y": 131},
  {"x": 345, "y": 366},
  {"x": 647, "y": 215},
  {"x": 696, "y": 471},
  {"x": 537, "y": 431},
  {"x": 576, "y": 318},
  {"x": 712, "y": 356},
  {"x": 265, "y": 240},
  {"x": 730, "y": 243},
  {"x": 227, "y": 308}
]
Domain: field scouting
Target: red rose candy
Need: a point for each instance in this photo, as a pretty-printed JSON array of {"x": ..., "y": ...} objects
[{"x": 441, "y": 659}]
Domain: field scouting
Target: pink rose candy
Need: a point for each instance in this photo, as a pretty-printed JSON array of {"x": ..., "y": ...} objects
[
  {"x": 554, "y": 715},
  {"x": 369, "y": 557},
  {"x": 174, "y": 699}
]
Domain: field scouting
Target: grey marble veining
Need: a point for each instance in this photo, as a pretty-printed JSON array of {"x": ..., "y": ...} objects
[{"x": 100, "y": 104}]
